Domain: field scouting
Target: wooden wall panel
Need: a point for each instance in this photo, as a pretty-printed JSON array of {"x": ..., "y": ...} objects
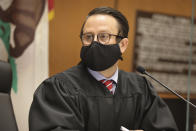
[
  {"x": 69, "y": 15},
  {"x": 65, "y": 44},
  {"x": 129, "y": 8}
]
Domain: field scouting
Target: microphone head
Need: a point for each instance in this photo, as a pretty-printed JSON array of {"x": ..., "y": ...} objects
[{"x": 141, "y": 70}]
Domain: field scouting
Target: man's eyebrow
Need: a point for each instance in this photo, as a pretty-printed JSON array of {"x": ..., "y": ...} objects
[
  {"x": 86, "y": 32},
  {"x": 104, "y": 32}
]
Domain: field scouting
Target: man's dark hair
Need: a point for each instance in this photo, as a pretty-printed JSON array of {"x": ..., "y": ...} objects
[{"x": 124, "y": 26}]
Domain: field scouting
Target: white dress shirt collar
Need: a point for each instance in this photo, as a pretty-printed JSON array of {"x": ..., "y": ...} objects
[{"x": 98, "y": 76}]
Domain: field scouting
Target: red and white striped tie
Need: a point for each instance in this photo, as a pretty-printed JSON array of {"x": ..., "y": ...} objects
[{"x": 108, "y": 84}]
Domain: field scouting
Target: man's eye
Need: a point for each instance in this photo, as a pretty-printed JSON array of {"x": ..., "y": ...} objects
[
  {"x": 88, "y": 37},
  {"x": 103, "y": 36}
]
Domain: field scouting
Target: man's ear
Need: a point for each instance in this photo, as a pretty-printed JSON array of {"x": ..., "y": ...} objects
[{"x": 123, "y": 44}]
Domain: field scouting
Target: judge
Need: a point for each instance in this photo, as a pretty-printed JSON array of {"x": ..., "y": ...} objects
[{"x": 96, "y": 95}]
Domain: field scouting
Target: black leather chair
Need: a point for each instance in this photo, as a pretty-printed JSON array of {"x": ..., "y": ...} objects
[{"x": 7, "y": 118}]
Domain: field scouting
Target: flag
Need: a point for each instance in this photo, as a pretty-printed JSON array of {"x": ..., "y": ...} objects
[{"x": 24, "y": 44}]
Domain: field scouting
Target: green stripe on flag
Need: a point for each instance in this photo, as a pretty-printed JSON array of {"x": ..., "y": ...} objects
[{"x": 14, "y": 74}]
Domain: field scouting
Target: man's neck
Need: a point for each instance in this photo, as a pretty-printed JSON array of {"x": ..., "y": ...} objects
[{"x": 109, "y": 72}]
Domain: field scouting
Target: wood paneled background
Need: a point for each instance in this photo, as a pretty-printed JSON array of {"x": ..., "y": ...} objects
[{"x": 64, "y": 41}]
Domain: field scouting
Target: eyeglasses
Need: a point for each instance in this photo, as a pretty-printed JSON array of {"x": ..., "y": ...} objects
[{"x": 103, "y": 38}]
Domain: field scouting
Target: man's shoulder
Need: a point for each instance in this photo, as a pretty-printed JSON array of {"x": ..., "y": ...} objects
[
  {"x": 67, "y": 77},
  {"x": 72, "y": 72},
  {"x": 64, "y": 81}
]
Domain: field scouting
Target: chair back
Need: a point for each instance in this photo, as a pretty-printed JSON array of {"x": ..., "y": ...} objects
[
  {"x": 5, "y": 77},
  {"x": 7, "y": 117}
]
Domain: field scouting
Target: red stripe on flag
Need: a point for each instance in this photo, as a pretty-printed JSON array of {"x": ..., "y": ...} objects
[
  {"x": 50, "y": 9},
  {"x": 50, "y": 5}
]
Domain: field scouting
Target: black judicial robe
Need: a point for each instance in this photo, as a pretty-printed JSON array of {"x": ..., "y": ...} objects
[{"x": 74, "y": 101}]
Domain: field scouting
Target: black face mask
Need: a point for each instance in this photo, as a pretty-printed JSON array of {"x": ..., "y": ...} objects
[{"x": 99, "y": 57}]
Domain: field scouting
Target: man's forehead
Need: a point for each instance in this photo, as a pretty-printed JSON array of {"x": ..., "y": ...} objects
[
  {"x": 101, "y": 17},
  {"x": 101, "y": 22}
]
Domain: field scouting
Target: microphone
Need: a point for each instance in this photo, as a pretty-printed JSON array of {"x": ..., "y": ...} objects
[{"x": 141, "y": 70}]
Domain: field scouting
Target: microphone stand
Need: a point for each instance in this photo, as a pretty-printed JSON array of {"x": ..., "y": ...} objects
[
  {"x": 143, "y": 71},
  {"x": 171, "y": 90}
]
